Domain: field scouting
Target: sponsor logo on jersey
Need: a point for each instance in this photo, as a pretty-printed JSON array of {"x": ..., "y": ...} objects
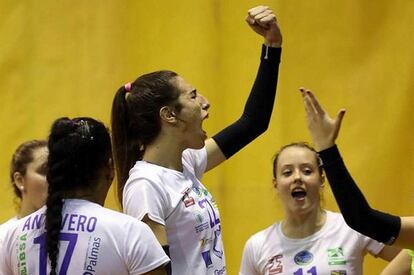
[
  {"x": 274, "y": 265},
  {"x": 336, "y": 256},
  {"x": 22, "y": 254},
  {"x": 200, "y": 192},
  {"x": 92, "y": 255},
  {"x": 303, "y": 258},
  {"x": 201, "y": 225},
  {"x": 187, "y": 200},
  {"x": 338, "y": 272}
]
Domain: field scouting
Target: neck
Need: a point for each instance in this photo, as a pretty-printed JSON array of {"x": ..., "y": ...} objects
[
  {"x": 299, "y": 226},
  {"x": 96, "y": 194},
  {"x": 25, "y": 209},
  {"x": 165, "y": 152}
]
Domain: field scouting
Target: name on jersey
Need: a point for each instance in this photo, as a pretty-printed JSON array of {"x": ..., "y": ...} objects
[{"x": 70, "y": 222}]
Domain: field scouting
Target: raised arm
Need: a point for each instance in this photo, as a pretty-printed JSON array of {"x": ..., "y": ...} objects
[
  {"x": 258, "y": 109},
  {"x": 358, "y": 214}
]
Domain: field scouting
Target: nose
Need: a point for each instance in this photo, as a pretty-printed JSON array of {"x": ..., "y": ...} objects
[
  {"x": 205, "y": 105},
  {"x": 297, "y": 177}
]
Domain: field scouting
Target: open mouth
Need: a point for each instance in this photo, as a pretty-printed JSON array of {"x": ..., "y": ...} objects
[{"x": 298, "y": 193}]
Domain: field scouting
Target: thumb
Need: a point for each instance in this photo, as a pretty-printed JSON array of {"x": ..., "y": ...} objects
[{"x": 339, "y": 118}]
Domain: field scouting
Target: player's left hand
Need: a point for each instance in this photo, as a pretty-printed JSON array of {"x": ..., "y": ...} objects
[
  {"x": 323, "y": 129},
  {"x": 263, "y": 21}
]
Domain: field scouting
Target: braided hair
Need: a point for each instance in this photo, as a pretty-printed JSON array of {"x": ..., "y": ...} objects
[{"x": 78, "y": 149}]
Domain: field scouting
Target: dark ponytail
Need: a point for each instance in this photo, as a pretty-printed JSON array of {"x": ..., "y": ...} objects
[
  {"x": 78, "y": 150},
  {"x": 135, "y": 118}
]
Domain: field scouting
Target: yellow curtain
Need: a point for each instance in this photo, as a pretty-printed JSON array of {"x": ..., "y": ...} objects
[{"x": 67, "y": 58}]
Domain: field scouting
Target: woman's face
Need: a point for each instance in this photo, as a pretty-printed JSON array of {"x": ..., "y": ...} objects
[
  {"x": 194, "y": 110},
  {"x": 298, "y": 180},
  {"x": 33, "y": 184}
]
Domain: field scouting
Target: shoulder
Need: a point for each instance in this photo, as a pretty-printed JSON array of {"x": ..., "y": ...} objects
[{"x": 262, "y": 237}]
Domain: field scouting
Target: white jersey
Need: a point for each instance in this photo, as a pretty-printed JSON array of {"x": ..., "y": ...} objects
[
  {"x": 93, "y": 240},
  {"x": 182, "y": 204},
  {"x": 334, "y": 249},
  {"x": 4, "y": 227}
]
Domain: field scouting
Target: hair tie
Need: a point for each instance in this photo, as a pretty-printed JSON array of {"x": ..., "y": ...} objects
[{"x": 128, "y": 86}]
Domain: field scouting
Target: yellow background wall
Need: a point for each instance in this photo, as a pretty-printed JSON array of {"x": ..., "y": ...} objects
[{"x": 67, "y": 58}]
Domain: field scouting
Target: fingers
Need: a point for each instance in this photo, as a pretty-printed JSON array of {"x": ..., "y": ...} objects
[
  {"x": 261, "y": 15},
  {"x": 309, "y": 105},
  {"x": 257, "y": 10},
  {"x": 315, "y": 103},
  {"x": 310, "y": 111},
  {"x": 339, "y": 118}
]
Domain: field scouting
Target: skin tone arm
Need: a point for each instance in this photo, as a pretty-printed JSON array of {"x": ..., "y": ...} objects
[
  {"x": 158, "y": 271},
  {"x": 388, "y": 253},
  {"x": 401, "y": 265},
  {"x": 262, "y": 20},
  {"x": 158, "y": 229},
  {"x": 324, "y": 131}
]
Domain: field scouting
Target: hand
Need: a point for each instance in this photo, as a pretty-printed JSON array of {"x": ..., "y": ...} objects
[
  {"x": 323, "y": 129},
  {"x": 262, "y": 20}
]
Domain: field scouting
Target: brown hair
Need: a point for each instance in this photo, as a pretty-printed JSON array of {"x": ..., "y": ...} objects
[
  {"x": 135, "y": 118},
  {"x": 21, "y": 158},
  {"x": 300, "y": 144}
]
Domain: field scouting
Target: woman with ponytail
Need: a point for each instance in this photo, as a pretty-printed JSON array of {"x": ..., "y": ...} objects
[
  {"x": 73, "y": 233},
  {"x": 161, "y": 153}
]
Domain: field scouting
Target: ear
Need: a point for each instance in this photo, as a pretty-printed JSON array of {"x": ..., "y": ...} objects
[
  {"x": 111, "y": 174},
  {"x": 18, "y": 180},
  {"x": 167, "y": 115},
  {"x": 323, "y": 181},
  {"x": 274, "y": 183}
]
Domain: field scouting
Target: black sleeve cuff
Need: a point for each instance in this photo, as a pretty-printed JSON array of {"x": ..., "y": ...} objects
[
  {"x": 270, "y": 54},
  {"x": 330, "y": 156}
]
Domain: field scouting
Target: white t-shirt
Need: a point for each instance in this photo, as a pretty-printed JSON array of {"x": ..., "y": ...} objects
[
  {"x": 4, "y": 227},
  {"x": 93, "y": 240},
  {"x": 183, "y": 205},
  {"x": 334, "y": 249}
]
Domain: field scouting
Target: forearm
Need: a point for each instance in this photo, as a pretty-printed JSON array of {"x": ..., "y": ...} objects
[
  {"x": 357, "y": 213},
  {"x": 258, "y": 109}
]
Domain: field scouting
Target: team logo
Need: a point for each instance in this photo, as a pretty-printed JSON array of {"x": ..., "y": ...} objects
[
  {"x": 303, "y": 258},
  {"x": 338, "y": 272},
  {"x": 336, "y": 256},
  {"x": 274, "y": 265}
]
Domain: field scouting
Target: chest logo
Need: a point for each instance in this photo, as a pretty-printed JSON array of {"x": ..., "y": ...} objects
[
  {"x": 274, "y": 265},
  {"x": 336, "y": 256},
  {"x": 303, "y": 258}
]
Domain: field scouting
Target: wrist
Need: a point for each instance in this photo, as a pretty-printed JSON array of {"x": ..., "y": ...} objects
[
  {"x": 323, "y": 146},
  {"x": 272, "y": 44}
]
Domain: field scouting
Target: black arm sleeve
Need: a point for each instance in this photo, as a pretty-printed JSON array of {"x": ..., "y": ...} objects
[
  {"x": 357, "y": 213},
  {"x": 258, "y": 109}
]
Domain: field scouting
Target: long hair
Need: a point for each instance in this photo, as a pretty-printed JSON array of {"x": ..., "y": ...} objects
[
  {"x": 78, "y": 150},
  {"x": 135, "y": 119}
]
